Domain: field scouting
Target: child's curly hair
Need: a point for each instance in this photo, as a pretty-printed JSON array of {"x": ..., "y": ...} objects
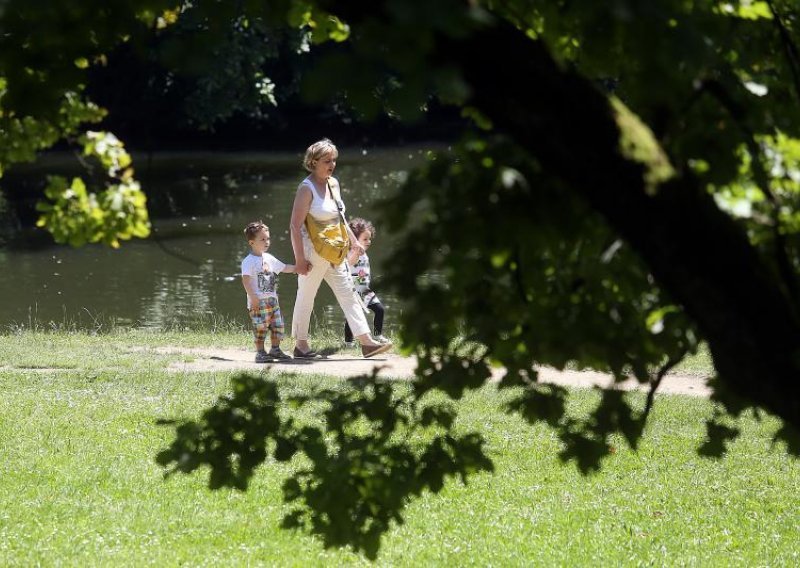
[
  {"x": 359, "y": 225},
  {"x": 252, "y": 229}
]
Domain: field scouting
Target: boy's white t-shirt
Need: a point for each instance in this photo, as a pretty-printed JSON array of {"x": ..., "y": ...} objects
[{"x": 264, "y": 271}]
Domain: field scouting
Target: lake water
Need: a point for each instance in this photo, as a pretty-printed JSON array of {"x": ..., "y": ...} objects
[{"x": 188, "y": 270}]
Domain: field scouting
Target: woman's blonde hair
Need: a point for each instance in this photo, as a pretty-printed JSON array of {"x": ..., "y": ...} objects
[{"x": 317, "y": 150}]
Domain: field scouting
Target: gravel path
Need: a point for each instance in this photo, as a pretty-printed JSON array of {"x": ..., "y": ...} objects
[{"x": 394, "y": 366}]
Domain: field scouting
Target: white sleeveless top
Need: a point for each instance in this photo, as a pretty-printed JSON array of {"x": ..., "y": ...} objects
[{"x": 323, "y": 210}]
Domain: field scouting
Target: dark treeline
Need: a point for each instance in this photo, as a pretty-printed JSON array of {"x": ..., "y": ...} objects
[
  {"x": 157, "y": 101},
  {"x": 181, "y": 92}
]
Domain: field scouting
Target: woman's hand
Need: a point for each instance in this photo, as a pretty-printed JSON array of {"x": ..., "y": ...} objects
[
  {"x": 302, "y": 204},
  {"x": 355, "y": 247},
  {"x": 352, "y": 257}
]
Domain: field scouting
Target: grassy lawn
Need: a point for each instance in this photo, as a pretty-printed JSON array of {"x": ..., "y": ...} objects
[{"x": 79, "y": 485}]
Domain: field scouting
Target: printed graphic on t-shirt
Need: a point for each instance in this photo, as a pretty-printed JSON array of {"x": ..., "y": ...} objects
[
  {"x": 267, "y": 282},
  {"x": 361, "y": 272},
  {"x": 264, "y": 272}
]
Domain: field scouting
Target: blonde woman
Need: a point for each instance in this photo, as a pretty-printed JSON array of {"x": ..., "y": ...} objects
[{"x": 319, "y": 196}]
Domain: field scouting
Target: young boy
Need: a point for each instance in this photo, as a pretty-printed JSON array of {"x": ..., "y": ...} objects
[{"x": 260, "y": 279}]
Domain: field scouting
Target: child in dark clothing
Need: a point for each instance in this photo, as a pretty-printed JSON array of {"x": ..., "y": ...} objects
[{"x": 360, "y": 271}]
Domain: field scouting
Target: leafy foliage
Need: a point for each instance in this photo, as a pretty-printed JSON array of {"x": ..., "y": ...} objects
[
  {"x": 574, "y": 226},
  {"x": 537, "y": 279},
  {"x": 45, "y": 50},
  {"x": 213, "y": 55},
  {"x": 73, "y": 214},
  {"x": 577, "y": 292},
  {"x": 42, "y": 73},
  {"x": 368, "y": 453},
  {"x": 22, "y": 137},
  {"x": 213, "y": 60},
  {"x": 77, "y": 216}
]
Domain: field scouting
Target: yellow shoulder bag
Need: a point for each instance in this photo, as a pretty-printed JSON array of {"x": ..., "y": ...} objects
[{"x": 331, "y": 240}]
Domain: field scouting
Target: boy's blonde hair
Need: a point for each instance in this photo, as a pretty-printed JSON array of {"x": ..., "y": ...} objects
[
  {"x": 316, "y": 151},
  {"x": 252, "y": 229}
]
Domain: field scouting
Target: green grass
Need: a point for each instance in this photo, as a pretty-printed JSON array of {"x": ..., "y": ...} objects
[
  {"x": 79, "y": 485},
  {"x": 699, "y": 364}
]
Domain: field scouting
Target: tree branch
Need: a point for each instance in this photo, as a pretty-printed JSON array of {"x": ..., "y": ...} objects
[
  {"x": 737, "y": 113},
  {"x": 792, "y": 54},
  {"x": 696, "y": 252},
  {"x": 655, "y": 382}
]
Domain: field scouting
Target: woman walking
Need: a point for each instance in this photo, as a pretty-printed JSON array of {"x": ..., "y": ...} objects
[{"x": 320, "y": 240}]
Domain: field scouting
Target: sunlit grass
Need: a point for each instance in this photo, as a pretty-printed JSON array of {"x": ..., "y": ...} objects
[
  {"x": 699, "y": 364},
  {"x": 79, "y": 485},
  {"x": 87, "y": 322},
  {"x": 214, "y": 330}
]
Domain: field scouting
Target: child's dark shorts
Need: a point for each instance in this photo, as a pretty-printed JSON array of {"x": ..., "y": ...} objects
[{"x": 267, "y": 316}]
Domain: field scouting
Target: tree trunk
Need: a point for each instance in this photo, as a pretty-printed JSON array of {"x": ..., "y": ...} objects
[{"x": 696, "y": 252}]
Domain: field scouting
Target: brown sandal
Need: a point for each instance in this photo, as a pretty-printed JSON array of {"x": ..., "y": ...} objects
[{"x": 310, "y": 354}]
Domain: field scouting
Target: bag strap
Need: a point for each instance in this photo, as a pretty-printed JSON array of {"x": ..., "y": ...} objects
[
  {"x": 338, "y": 202},
  {"x": 340, "y": 207}
]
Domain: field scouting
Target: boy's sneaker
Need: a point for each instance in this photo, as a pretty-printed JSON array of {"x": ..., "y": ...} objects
[
  {"x": 382, "y": 339},
  {"x": 349, "y": 344},
  {"x": 276, "y": 353},
  {"x": 262, "y": 357}
]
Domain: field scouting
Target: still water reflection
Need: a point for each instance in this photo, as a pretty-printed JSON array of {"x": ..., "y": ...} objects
[{"x": 189, "y": 269}]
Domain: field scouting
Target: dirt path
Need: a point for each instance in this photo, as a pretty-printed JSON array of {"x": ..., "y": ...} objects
[{"x": 395, "y": 366}]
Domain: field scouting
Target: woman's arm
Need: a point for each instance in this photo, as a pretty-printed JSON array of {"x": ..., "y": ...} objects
[
  {"x": 302, "y": 204},
  {"x": 355, "y": 246}
]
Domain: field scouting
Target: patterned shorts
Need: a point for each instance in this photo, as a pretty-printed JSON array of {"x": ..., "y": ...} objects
[{"x": 267, "y": 316}]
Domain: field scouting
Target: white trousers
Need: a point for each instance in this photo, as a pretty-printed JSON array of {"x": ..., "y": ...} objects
[{"x": 339, "y": 279}]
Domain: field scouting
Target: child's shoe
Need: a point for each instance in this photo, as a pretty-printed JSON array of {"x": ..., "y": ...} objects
[
  {"x": 262, "y": 357},
  {"x": 349, "y": 344},
  {"x": 276, "y": 353},
  {"x": 382, "y": 339}
]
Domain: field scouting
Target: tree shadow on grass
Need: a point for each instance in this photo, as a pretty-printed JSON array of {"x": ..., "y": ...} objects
[{"x": 369, "y": 449}]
